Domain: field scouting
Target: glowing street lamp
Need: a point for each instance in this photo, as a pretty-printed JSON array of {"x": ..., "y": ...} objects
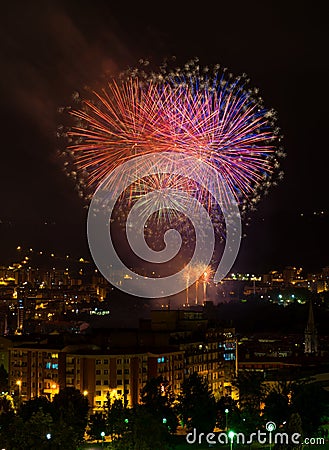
[
  {"x": 231, "y": 435},
  {"x": 103, "y": 437},
  {"x": 226, "y": 415},
  {"x": 270, "y": 427}
]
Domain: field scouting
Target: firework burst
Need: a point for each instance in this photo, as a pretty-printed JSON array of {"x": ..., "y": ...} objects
[{"x": 201, "y": 112}]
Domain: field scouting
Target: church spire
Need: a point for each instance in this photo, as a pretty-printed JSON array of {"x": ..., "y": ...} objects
[{"x": 311, "y": 336}]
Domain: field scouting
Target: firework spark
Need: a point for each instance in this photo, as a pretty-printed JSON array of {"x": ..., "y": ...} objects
[{"x": 205, "y": 273}]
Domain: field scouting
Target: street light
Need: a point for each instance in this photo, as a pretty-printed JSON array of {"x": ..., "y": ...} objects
[
  {"x": 48, "y": 436},
  {"x": 103, "y": 436},
  {"x": 270, "y": 427},
  {"x": 231, "y": 435},
  {"x": 226, "y": 414}
]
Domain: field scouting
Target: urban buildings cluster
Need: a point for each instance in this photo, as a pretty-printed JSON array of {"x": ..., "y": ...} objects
[
  {"x": 48, "y": 341},
  {"x": 118, "y": 362},
  {"x": 281, "y": 287}
]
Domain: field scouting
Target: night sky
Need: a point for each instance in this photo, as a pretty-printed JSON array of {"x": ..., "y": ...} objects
[{"x": 51, "y": 49}]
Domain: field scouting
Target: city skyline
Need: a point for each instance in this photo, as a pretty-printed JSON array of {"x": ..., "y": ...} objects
[{"x": 285, "y": 66}]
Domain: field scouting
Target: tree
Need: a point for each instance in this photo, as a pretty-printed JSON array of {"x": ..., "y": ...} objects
[
  {"x": 230, "y": 418},
  {"x": 7, "y": 415},
  {"x": 157, "y": 397},
  {"x": 197, "y": 405},
  {"x": 251, "y": 389},
  {"x": 3, "y": 379},
  {"x": 311, "y": 402},
  {"x": 97, "y": 425},
  {"x": 65, "y": 436},
  {"x": 37, "y": 428},
  {"x": 71, "y": 407},
  {"x": 117, "y": 418},
  {"x": 295, "y": 426},
  {"x": 143, "y": 432},
  {"x": 38, "y": 425},
  {"x": 31, "y": 434},
  {"x": 33, "y": 406},
  {"x": 6, "y": 404},
  {"x": 250, "y": 420},
  {"x": 277, "y": 407}
]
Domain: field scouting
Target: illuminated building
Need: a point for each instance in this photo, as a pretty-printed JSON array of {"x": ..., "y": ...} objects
[
  {"x": 20, "y": 316},
  {"x": 120, "y": 374},
  {"x": 117, "y": 362},
  {"x": 208, "y": 350},
  {"x": 42, "y": 371},
  {"x": 37, "y": 370}
]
